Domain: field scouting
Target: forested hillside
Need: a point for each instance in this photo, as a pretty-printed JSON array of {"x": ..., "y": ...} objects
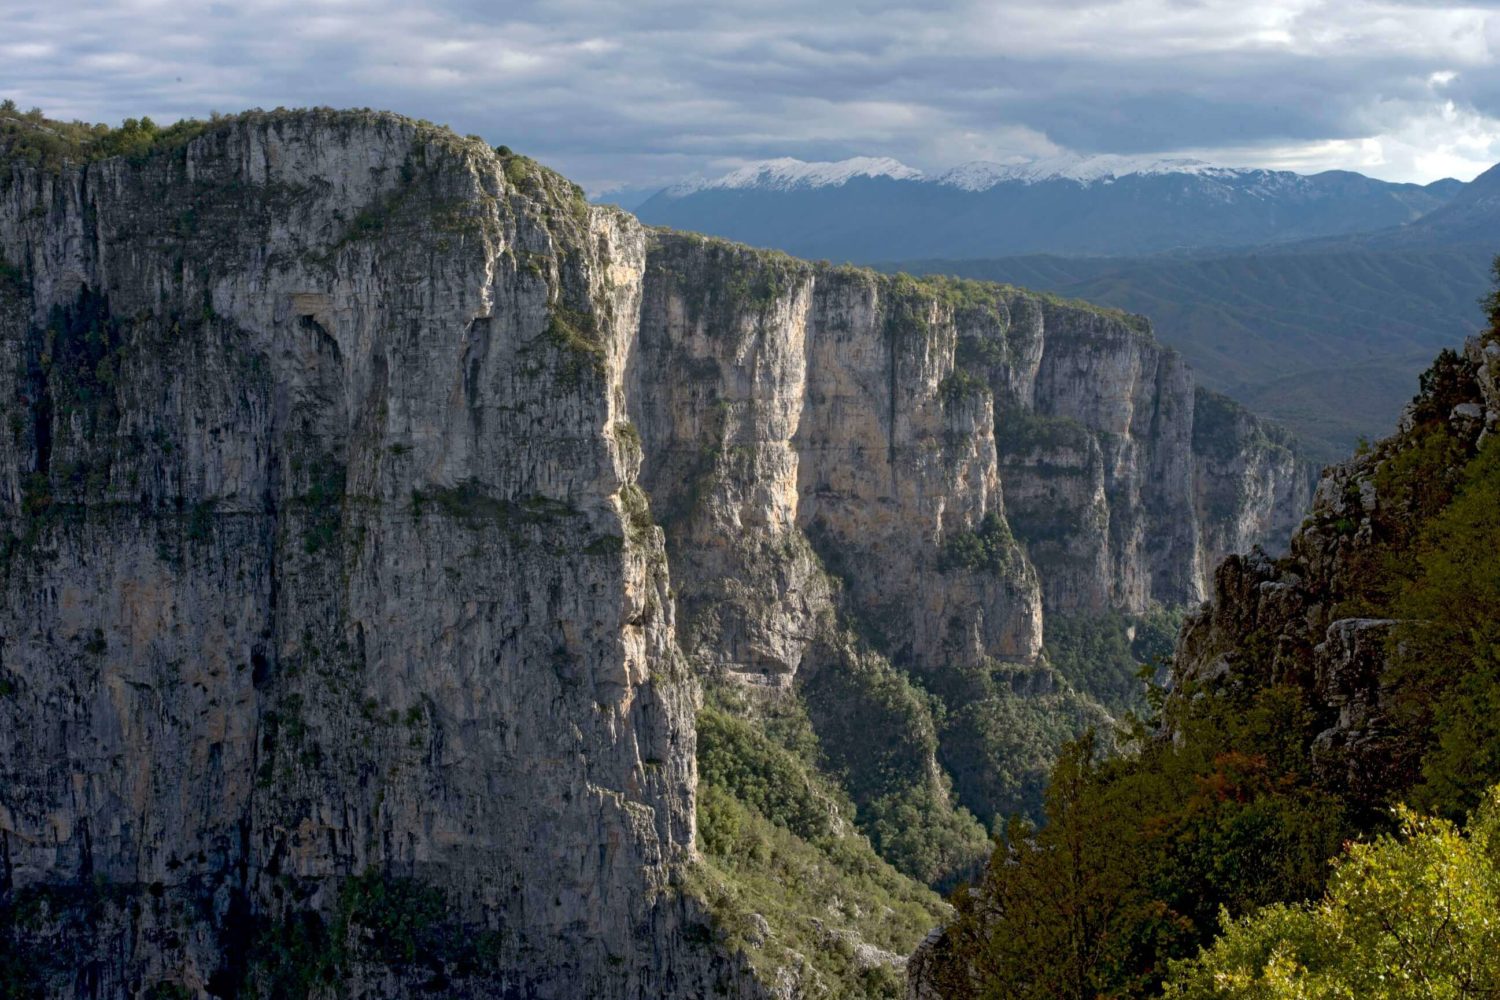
[{"x": 1310, "y": 696}]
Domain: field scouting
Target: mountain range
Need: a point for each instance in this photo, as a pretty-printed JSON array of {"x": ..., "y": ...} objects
[{"x": 867, "y": 209}]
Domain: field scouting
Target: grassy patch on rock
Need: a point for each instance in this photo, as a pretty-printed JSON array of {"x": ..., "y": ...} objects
[{"x": 787, "y": 879}]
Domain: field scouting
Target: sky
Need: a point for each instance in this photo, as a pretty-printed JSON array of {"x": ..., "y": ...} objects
[{"x": 628, "y": 96}]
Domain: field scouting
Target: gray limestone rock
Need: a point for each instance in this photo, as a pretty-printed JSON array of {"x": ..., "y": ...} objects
[{"x": 369, "y": 503}]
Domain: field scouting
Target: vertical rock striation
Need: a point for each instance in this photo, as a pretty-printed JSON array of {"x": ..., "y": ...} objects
[
  {"x": 956, "y": 453},
  {"x": 322, "y": 559},
  {"x": 338, "y": 626},
  {"x": 788, "y": 410}
]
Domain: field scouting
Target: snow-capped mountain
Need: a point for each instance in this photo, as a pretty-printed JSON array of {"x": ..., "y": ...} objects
[
  {"x": 878, "y": 208},
  {"x": 981, "y": 175},
  {"x": 785, "y": 173}
]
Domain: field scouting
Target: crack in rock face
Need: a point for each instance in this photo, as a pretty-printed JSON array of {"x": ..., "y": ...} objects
[{"x": 371, "y": 506}]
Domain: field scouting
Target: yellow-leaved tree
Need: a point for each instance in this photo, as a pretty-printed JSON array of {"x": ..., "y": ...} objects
[{"x": 1411, "y": 916}]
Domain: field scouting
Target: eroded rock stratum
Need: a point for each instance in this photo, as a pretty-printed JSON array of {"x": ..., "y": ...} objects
[{"x": 371, "y": 508}]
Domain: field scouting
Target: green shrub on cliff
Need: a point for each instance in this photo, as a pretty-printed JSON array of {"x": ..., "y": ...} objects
[
  {"x": 737, "y": 757},
  {"x": 1447, "y": 652},
  {"x": 31, "y": 138},
  {"x": 1223, "y": 816},
  {"x": 1105, "y": 655},
  {"x": 1020, "y": 432},
  {"x": 1408, "y": 917},
  {"x": 786, "y": 877},
  {"x": 905, "y": 808},
  {"x": 990, "y": 546}
]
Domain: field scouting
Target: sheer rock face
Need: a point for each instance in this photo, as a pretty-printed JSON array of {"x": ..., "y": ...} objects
[
  {"x": 801, "y": 412},
  {"x": 1126, "y": 483},
  {"x": 328, "y": 571},
  {"x": 326, "y": 548},
  {"x": 781, "y": 404}
]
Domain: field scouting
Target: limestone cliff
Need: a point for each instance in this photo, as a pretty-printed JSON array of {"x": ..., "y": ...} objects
[
  {"x": 323, "y": 558},
  {"x": 1127, "y": 483},
  {"x": 338, "y": 626},
  {"x": 915, "y": 433}
]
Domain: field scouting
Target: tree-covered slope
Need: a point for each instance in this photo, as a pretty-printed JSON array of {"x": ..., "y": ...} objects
[
  {"x": 1407, "y": 916},
  {"x": 1309, "y": 696}
]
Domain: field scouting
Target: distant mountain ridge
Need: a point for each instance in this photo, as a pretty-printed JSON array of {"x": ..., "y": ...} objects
[
  {"x": 1314, "y": 299},
  {"x": 1325, "y": 335},
  {"x": 868, "y": 209},
  {"x": 785, "y": 172},
  {"x": 981, "y": 175},
  {"x": 1471, "y": 217}
]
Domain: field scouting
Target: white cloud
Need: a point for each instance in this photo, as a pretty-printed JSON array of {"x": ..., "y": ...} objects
[
  {"x": 1419, "y": 145},
  {"x": 626, "y": 95},
  {"x": 28, "y": 50}
]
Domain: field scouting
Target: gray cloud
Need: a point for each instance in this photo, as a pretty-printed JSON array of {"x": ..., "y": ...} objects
[{"x": 648, "y": 92}]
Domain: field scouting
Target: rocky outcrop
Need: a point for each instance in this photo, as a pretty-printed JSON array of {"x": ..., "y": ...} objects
[
  {"x": 338, "y": 624},
  {"x": 922, "y": 970},
  {"x": 1305, "y": 619}
]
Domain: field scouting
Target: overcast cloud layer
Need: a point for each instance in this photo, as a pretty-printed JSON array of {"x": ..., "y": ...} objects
[{"x": 639, "y": 94}]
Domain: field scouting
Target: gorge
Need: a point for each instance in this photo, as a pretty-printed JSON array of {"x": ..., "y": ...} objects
[{"x": 412, "y": 573}]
